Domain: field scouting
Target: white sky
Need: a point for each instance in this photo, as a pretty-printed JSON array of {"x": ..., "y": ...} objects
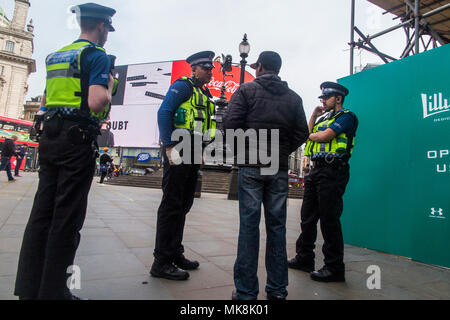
[{"x": 311, "y": 36}]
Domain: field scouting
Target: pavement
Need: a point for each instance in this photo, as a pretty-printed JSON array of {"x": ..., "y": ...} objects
[{"x": 118, "y": 237}]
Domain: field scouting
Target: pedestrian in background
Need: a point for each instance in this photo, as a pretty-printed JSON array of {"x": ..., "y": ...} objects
[
  {"x": 105, "y": 164},
  {"x": 265, "y": 103},
  {"x": 8, "y": 150},
  {"x": 21, "y": 152}
]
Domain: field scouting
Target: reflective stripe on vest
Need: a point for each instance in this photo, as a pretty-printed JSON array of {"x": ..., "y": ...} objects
[
  {"x": 63, "y": 85},
  {"x": 338, "y": 146},
  {"x": 196, "y": 113}
]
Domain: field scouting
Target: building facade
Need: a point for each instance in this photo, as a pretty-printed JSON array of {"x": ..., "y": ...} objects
[
  {"x": 31, "y": 107},
  {"x": 16, "y": 63}
]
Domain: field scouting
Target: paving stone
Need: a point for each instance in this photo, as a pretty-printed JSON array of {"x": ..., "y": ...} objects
[
  {"x": 10, "y": 245},
  {"x": 211, "y": 248},
  {"x": 207, "y": 276},
  {"x": 124, "y": 288},
  {"x": 95, "y": 245},
  {"x": 106, "y": 266},
  {"x": 8, "y": 264},
  {"x": 127, "y": 226},
  {"x": 7, "y": 287},
  {"x": 138, "y": 239},
  {"x": 217, "y": 293},
  {"x": 12, "y": 231},
  {"x": 145, "y": 255}
]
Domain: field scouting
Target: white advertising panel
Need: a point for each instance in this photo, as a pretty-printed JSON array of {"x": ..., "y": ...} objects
[
  {"x": 147, "y": 83},
  {"x": 135, "y": 126}
]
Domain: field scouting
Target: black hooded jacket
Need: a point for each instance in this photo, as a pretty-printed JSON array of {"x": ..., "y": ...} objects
[
  {"x": 268, "y": 103},
  {"x": 8, "y": 148}
]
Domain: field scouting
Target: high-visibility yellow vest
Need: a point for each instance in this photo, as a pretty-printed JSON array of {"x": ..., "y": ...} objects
[
  {"x": 64, "y": 83},
  {"x": 197, "y": 113},
  {"x": 340, "y": 146}
]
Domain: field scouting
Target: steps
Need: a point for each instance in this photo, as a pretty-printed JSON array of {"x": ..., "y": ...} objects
[{"x": 213, "y": 181}]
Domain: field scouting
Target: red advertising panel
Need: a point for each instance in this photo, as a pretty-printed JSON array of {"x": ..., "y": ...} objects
[{"x": 182, "y": 68}]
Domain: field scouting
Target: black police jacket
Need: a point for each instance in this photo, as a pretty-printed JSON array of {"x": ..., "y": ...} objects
[{"x": 268, "y": 103}]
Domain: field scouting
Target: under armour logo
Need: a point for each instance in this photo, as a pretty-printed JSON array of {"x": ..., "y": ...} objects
[{"x": 437, "y": 213}]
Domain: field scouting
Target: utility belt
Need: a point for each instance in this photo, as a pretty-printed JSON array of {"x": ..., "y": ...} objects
[
  {"x": 79, "y": 130},
  {"x": 330, "y": 161}
]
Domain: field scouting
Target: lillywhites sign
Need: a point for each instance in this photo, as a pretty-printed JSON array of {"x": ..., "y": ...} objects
[
  {"x": 143, "y": 157},
  {"x": 434, "y": 104}
]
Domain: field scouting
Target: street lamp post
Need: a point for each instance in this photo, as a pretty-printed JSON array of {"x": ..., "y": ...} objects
[{"x": 244, "y": 49}]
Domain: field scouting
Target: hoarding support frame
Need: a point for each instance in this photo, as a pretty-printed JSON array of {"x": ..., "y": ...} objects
[{"x": 412, "y": 19}]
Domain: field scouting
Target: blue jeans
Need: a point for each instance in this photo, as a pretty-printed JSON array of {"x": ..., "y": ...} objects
[
  {"x": 272, "y": 191},
  {"x": 5, "y": 164}
]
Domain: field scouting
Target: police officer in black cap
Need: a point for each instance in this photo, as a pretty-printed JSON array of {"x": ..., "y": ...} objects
[
  {"x": 329, "y": 146},
  {"x": 78, "y": 94},
  {"x": 187, "y": 106}
]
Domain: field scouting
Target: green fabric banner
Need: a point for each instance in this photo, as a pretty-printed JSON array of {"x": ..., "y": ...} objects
[{"x": 398, "y": 197}]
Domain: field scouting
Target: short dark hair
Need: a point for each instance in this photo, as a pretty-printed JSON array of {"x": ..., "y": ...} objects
[{"x": 89, "y": 25}]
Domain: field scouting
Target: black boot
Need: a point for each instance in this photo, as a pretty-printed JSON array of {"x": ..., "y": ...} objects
[
  {"x": 327, "y": 274},
  {"x": 301, "y": 264},
  {"x": 168, "y": 271},
  {"x": 185, "y": 264}
]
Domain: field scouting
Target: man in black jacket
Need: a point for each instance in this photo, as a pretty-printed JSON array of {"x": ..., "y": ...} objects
[
  {"x": 8, "y": 150},
  {"x": 273, "y": 118},
  {"x": 105, "y": 164}
]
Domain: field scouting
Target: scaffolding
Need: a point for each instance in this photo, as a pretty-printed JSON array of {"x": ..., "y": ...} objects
[{"x": 419, "y": 19}]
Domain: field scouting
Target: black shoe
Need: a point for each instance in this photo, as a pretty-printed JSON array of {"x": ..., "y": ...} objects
[
  {"x": 275, "y": 297},
  {"x": 74, "y": 297},
  {"x": 327, "y": 275},
  {"x": 168, "y": 271},
  {"x": 299, "y": 264},
  {"x": 186, "y": 264}
]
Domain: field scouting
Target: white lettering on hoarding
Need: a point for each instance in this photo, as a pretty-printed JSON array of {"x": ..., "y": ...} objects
[
  {"x": 440, "y": 154},
  {"x": 434, "y": 104}
]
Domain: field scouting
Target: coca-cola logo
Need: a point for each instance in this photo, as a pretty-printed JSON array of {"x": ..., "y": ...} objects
[{"x": 230, "y": 86}]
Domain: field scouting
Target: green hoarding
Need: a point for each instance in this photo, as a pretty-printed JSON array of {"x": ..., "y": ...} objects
[{"x": 398, "y": 197}]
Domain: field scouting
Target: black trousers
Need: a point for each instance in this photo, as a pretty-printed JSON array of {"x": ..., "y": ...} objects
[
  {"x": 18, "y": 164},
  {"x": 103, "y": 175},
  {"x": 322, "y": 200},
  {"x": 178, "y": 187},
  {"x": 52, "y": 234}
]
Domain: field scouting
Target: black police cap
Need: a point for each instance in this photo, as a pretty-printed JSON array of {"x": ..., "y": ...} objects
[
  {"x": 270, "y": 60},
  {"x": 95, "y": 11},
  {"x": 203, "y": 59},
  {"x": 332, "y": 88}
]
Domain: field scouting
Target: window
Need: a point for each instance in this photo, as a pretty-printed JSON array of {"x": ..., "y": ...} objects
[
  {"x": 9, "y": 46},
  {"x": 2, "y": 70}
]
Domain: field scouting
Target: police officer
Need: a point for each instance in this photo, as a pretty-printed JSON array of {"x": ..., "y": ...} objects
[
  {"x": 78, "y": 94},
  {"x": 330, "y": 146},
  {"x": 187, "y": 106}
]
